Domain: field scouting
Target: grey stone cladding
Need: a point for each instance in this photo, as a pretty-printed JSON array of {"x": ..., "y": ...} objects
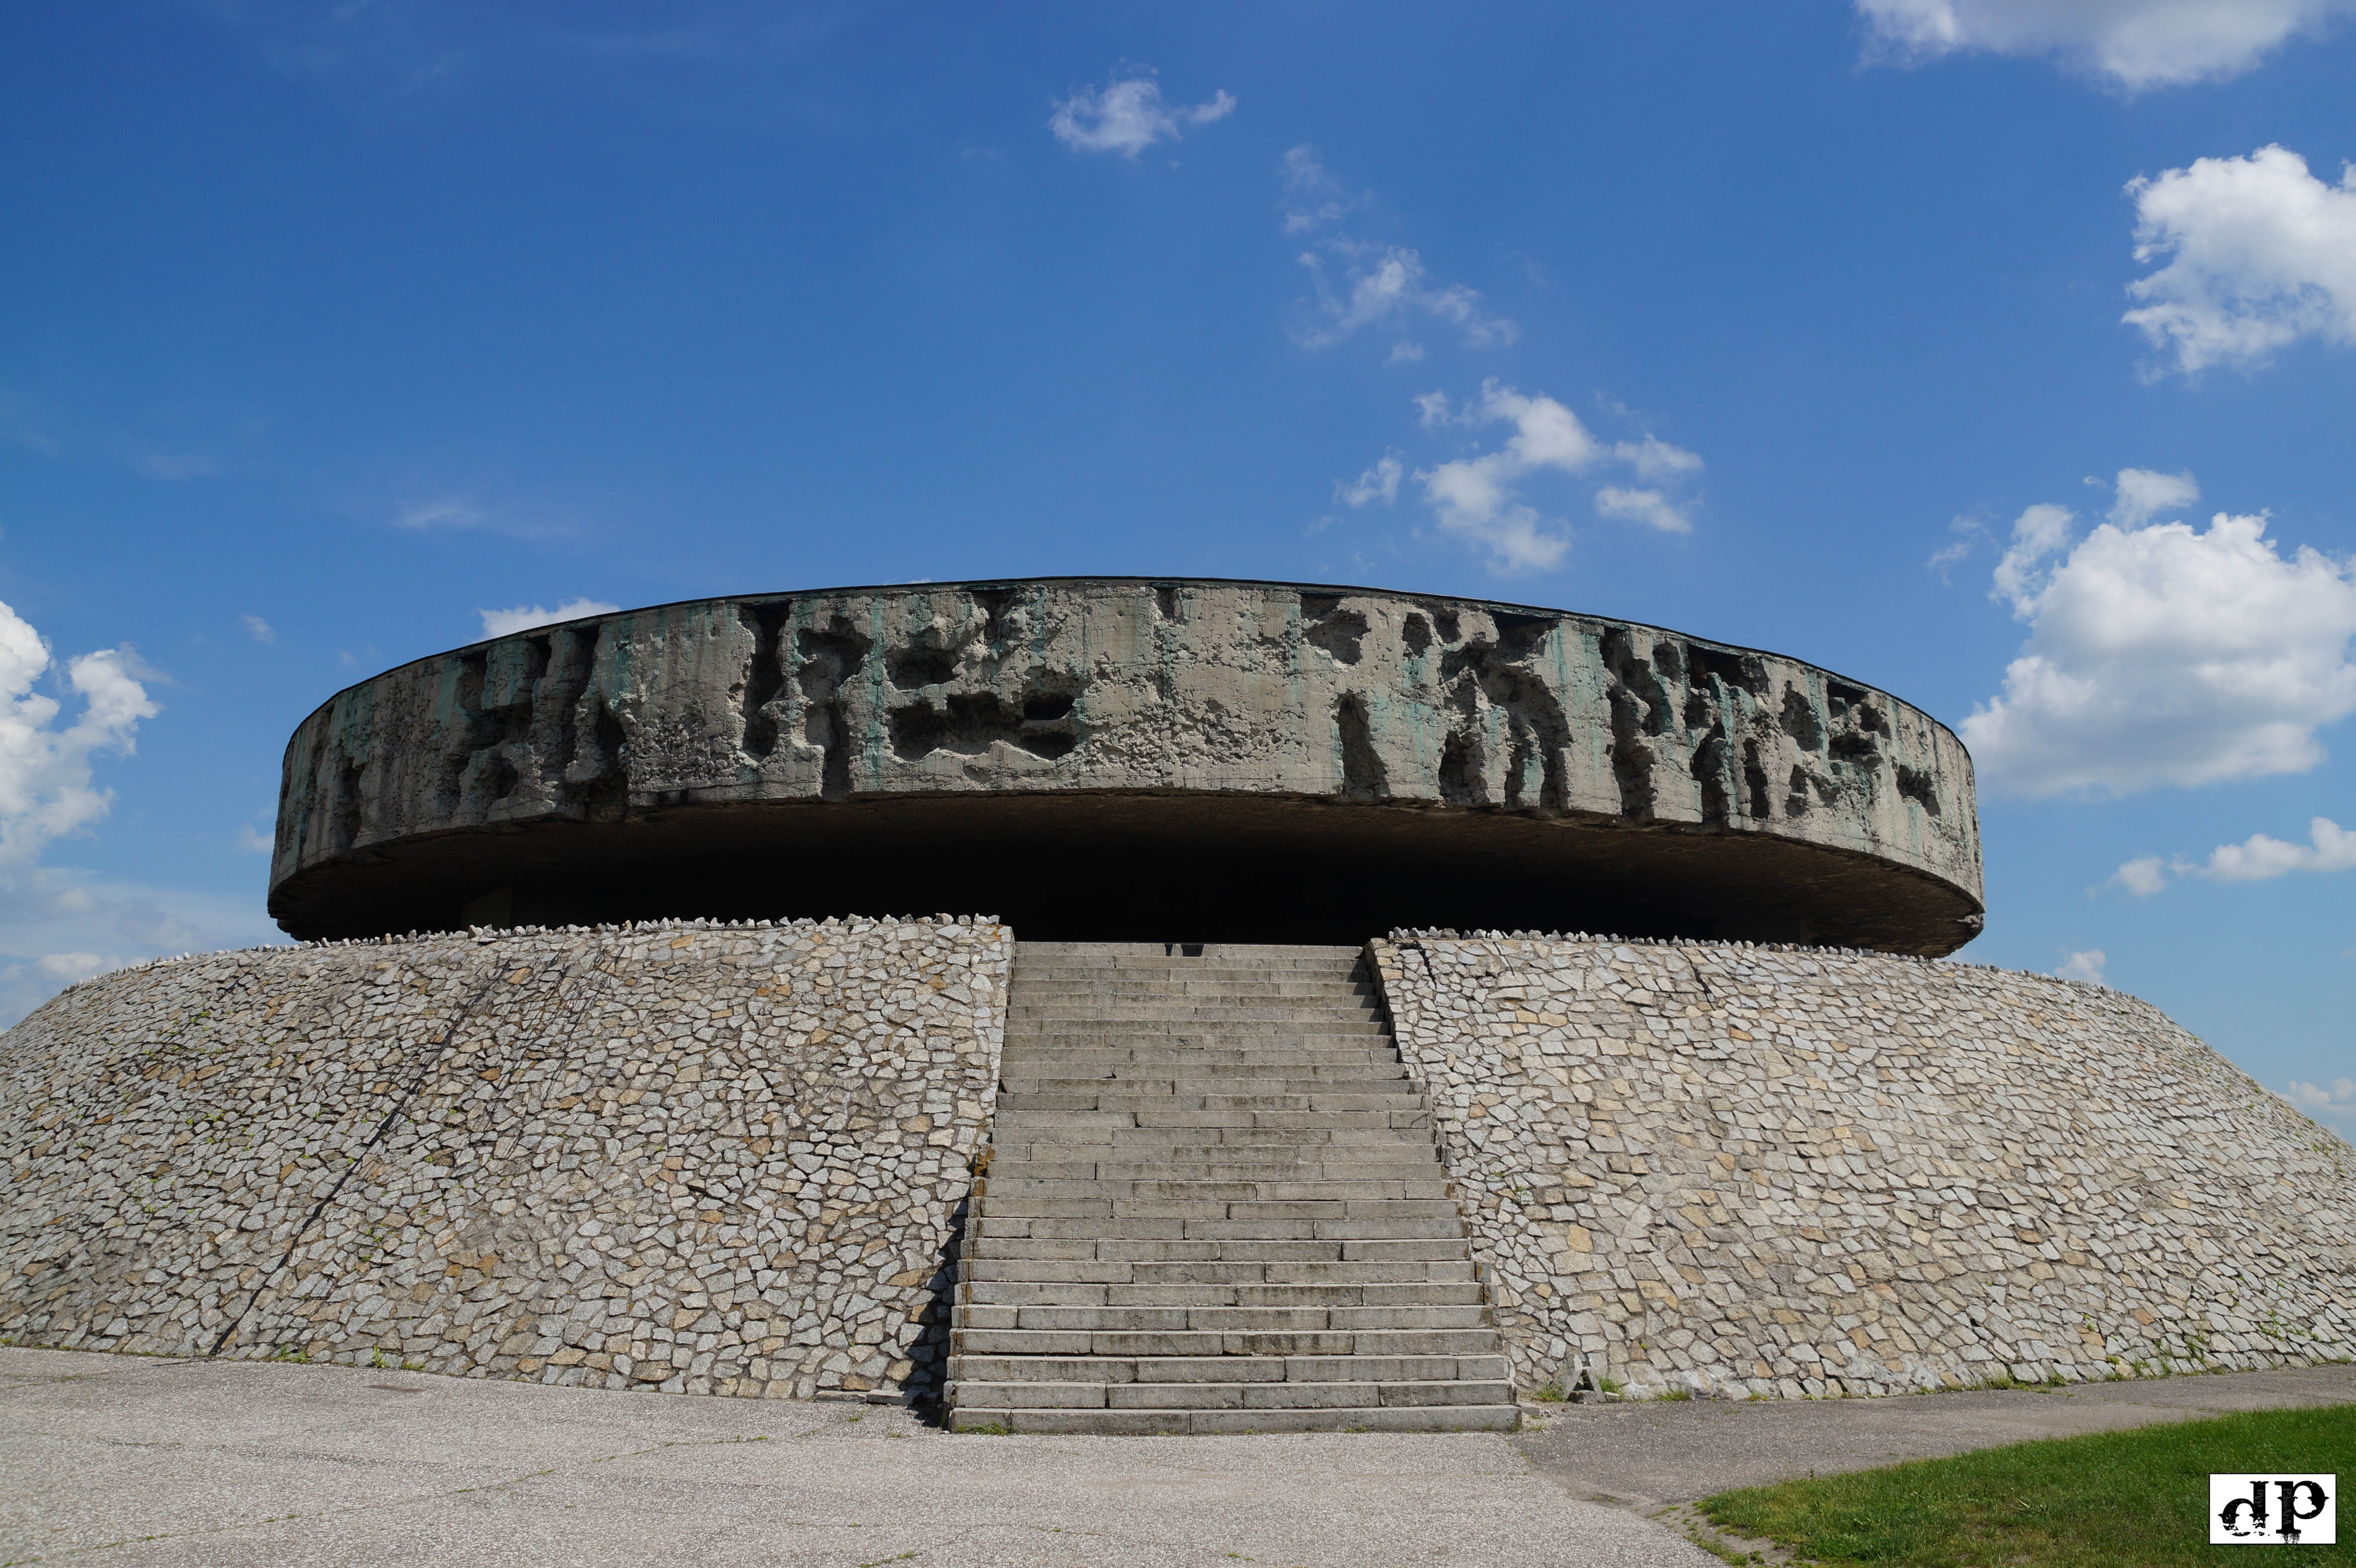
[
  {"x": 724, "y": 1159},
  {"x": 1729, "y": 1169},
  {"x": 738, "y": 1159}
]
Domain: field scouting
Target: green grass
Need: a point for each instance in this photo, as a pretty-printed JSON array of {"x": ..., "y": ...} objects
[{"x": 2115, "y": 1499}]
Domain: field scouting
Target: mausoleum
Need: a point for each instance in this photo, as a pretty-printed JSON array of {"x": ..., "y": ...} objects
[{"x": 1346, "y": 1009}]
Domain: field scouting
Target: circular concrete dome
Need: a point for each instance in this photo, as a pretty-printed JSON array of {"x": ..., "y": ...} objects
[{"x": 1130, "y": 759}]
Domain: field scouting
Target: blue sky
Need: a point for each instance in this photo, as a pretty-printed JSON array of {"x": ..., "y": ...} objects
[{"x": 1923, "y": 339}]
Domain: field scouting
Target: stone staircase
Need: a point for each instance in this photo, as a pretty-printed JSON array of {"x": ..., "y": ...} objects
[{"x": 1214, "y": 1205}]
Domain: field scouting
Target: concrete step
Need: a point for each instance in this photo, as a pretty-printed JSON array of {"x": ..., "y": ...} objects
[
  {"x": 1186, "y": 1318},
  {"x": 987, "y": 1338},
  {"x": 991, "y": 1269},
  {"x": 1411, "y": 1252},
  {"x": 1261, "y": 1210},
  {"x": 1342, "y": 1176},
  {"x": 1323, "y": 989},
  {"x": 1205, "y": 1423},
  {"x": 1325, "y": 1015},
  {"x": 1419, "y": 1168},
  {"x": 1202, "y": 983},
  {"x": 1393, "y": 1227},
  {"x": 1371, "y": 1041},
  {"x": 1194, "y": 1294},
  {"x": 1297, "y": 997},
  {"x": 1303, "y": 1188},
  {"x": 1353, "y": 1023},
  {"x": 1217, "y": 951},
  {"x": 1061, "y": 1078},
  {"x": 1120, "y": 1049},
  {"x": 1407, "y": 1148},
  {"x": 1213, "y": 1204},
  {"x": 1220, "y": 1143},
  {"x": 1288, "y": 1395},
  {"x": 1135, "y": 1103},
  {"x": 1200, "y": 1067},
  {"x": 1179, "y": 978},
  {"x": 1029, "y": 1122},
  {"x": 1249, "y": 1085},
  {"x": 1167, "y": 1370}
]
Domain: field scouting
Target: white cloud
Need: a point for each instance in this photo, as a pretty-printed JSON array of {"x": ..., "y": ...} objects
[
  {"x": 443, "y": 512},
  {"x": 1947, "y": 556},
  {"x": 2037, "y": 534},
  {"x": 2040, "y": 531},
  {"x": 2132, "y": 44},
  {"x": 2160, "y": 655},
  {"x": 1655, "y": 460},
  {"x": 1649, "y": 507},
  {"x": 523, "y": 617},
  {"x": 1379, "y": 285},
  {"x": 2086, "y": 966},
  {"x": 461, "y": 514},
  {"x": 1386, "y": 285},
  {"x": 1479, "y": 498},
  {"x": 1379, "y": 483},
  {"x": 1970, "y": 533},
  {"x": 1306, "y": 179},
  {"x": 50, "y": 911},
  {"x": 1128, "y": 115},
  {"x": 65, "y": 968},
  {"x": 260, "y": 630},
  {"x": 2335, "y": 1107},
  {"x": 2144, "y": 493},
  {"x": 2330, "y": 848},
  {"x": 45, "y": 771},
  {"x": 2259, "y": 253},
  {"x": 253, "y": 842}
]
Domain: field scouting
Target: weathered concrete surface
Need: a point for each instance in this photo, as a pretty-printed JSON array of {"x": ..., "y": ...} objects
[
  {"x": 1113, "y": 758},
  {"x": 289, "y": 1466},
  {"x": 1650, "y": 1451}
]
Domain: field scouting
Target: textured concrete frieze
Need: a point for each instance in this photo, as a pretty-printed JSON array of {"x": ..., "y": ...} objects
[{"x": 1164, "y": 736}]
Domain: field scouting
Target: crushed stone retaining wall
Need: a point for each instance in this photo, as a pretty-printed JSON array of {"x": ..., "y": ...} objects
[
  {"x": 712, "y": 1159},
  {"x": 1729, "y": 1169}
]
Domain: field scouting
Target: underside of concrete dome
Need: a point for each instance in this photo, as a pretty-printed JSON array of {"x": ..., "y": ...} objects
[{"x": 1111, "y": 759}]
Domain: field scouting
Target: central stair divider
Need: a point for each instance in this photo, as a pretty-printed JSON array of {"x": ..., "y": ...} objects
[{"x": 1213, "y": 1204}]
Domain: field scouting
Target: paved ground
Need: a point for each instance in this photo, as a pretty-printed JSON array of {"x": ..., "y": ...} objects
[
  {"x": 1651, "y": 1454},
  {"x": 129, "y": 1461}
]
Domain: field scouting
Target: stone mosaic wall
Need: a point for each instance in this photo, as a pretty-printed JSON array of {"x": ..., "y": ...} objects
[
  {"x": 727, "y": 1159},
  {"x": 1736, "y": 1169}
]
